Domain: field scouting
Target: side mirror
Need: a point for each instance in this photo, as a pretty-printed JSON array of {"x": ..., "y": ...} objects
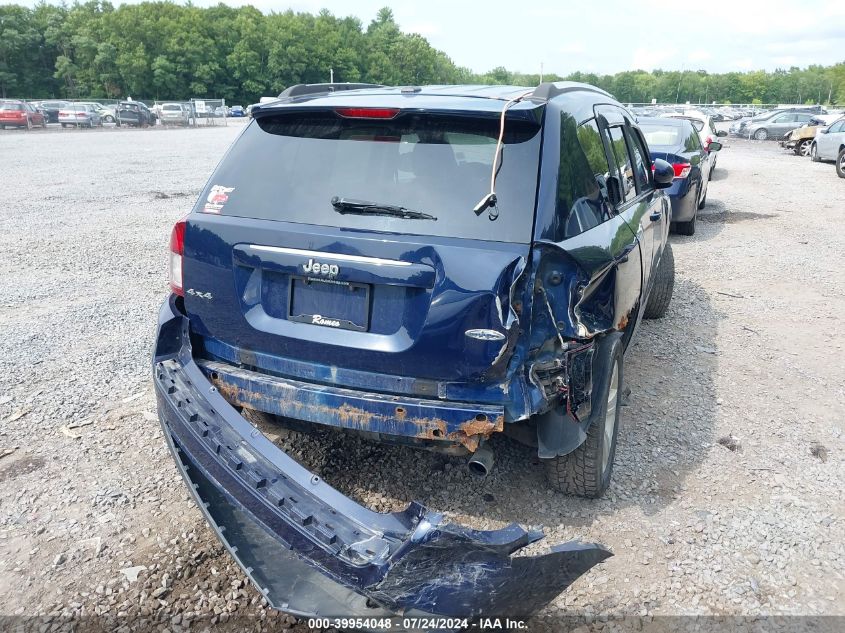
[
  {"x": 714, "y": 146},
  {"x": 824, "y": 130},
  {"x": 664, "y": 173},
  {"x": 721, "y": 133}
]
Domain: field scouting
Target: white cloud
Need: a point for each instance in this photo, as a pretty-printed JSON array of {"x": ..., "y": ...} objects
[
  {"x": 654, "y": 57},
  {"x": 426, "y": 29},
  {"x": 742, "y": 64},
  {"x": 573, "y": 48},
  {"x": 699, "y": 55},
  {"x": 786, "y": 60}
]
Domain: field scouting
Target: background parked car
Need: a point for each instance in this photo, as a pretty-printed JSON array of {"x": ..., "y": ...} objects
[
  {"x": 106, "y": 114},
  {"x": 800, "y": 139},
  {"x": 747, "y": 126},
  {"x": 676, "y": 141},
  {"x": 51, "y": 109},
  {"x": 80, "y": 115},
  {"x": 134, "y": 113},
  {"x": 20, "y": 114},
  {"x": 829, "y": 143},
  {"x": 174, "y": 114},
  {"x": 237, "y": 111},
  {"x": 703, "y": 124},
  {"x": 777, "y": 126}
]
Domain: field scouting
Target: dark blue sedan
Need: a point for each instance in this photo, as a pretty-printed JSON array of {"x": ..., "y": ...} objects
[{"x": 677, "y": 142}]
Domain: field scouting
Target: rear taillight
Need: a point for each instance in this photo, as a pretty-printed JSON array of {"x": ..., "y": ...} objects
[
  {"x": 681, "y": 169},
  {"x": 367, "y": 113},
  {"x": 177, "y": 250}
]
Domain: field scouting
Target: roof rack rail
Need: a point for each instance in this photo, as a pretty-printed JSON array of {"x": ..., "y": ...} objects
[
  {"x": 551, "y": 89},
  {"x": 310, "y": 89}
]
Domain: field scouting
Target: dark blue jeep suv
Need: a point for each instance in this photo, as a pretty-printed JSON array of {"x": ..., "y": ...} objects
[{"x": 422, "y": 265}]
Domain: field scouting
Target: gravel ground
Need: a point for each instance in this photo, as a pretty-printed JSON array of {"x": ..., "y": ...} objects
[{"x": 727, "y": 496}]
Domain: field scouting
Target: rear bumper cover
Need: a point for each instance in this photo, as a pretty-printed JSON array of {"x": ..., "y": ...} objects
[{"x": 312, "y": 551}]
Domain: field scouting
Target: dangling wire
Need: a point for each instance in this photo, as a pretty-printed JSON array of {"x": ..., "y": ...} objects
[{"x": 489, "y": 201}]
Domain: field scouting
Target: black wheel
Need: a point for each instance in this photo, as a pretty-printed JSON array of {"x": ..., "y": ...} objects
[
  {"x": 28, "y": 123},
  {"x": 840, "y": 163},
  {"x": 814, "y": 153},
  {"x": 586, "y": 471},
  {"x": 664, "y": 283},
  {"x": 762, "y": 134},
  {"x": 685, "y": 228},
  {"x": 44, "y": 123},
  {"x": 701, "y": 204},
  {"x": 109, "y": 119},
  {"x": 803, "y": 148}
]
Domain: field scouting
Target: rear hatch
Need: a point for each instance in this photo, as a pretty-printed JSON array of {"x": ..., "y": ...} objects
[
  {"x": 278, "y": 277},
  {"x": 12, "y": 112}
]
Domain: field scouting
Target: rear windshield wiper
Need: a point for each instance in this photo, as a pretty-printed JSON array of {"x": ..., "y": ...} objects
[{"x": 362, "y": 207}]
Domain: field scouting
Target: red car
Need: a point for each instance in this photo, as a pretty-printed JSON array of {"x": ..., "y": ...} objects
[{"x": 20, "y": 114}]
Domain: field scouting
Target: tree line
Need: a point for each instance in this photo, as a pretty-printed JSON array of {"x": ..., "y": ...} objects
[{"x": 162, "y": 50}]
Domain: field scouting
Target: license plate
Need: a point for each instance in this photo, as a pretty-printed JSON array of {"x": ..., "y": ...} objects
[{"x": 329, "y": 303}]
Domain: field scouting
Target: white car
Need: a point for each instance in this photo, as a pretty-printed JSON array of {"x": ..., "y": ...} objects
[
  {"x": 829, "y": 144},
  {"x": 703, "y": 124}
]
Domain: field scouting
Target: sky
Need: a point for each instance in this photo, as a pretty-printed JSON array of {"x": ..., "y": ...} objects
[{"x": 608, "y": 36}]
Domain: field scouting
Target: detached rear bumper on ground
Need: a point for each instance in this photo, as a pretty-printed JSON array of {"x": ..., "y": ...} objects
[{"x": 312, "y": 551}]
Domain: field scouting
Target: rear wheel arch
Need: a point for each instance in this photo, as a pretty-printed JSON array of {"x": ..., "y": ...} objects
[{"x": 586, "y": 470}]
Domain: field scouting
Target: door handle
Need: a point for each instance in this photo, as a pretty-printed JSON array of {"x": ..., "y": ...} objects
[{"x": 655, "y": 216}]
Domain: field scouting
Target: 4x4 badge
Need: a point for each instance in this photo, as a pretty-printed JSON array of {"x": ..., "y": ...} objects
[{"x": 485, "y": 335}]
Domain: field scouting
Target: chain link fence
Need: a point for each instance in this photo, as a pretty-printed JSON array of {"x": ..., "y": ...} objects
[{"x": 194, "y": 112}]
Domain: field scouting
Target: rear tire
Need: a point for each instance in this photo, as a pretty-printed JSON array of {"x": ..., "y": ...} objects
[
  {"x": 814, "y": 153},
  {"x": 586, "y": 471},
  {"x": 664, "y": 284},
  {"x": 840, "y": 163},
  {"x": 685, "y": 228},
  {"x": 762, "y": 134},
  {"x": 28, "y": 123},
  {"x": 702, "y": 203}
]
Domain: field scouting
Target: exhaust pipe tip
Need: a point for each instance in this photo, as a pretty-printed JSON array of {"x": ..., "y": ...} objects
[{"x": 481, "y": 461}]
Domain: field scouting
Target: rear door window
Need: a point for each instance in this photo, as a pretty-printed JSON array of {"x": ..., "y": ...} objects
[
  {"x": 582, "y": 200},
  {"x": 623, "y": 164},
  {"x": 692, "y": 143},
  {"x": 639, "y": 159},
  {"x": 289, "y": 167}
]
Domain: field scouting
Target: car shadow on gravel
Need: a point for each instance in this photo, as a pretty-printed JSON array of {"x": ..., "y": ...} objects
[
  {"x": 716, "y": 213},
  {"x": 719, "y": 174},
  {"x": 665, "y": 428}
]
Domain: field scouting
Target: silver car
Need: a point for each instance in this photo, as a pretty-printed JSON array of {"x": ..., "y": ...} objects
[
  {"x": 174, "y": 114},
  {"x": 776, "y": 126},
  {"x": 829, "y": 144},
  {"x": 80, "y": 115}
]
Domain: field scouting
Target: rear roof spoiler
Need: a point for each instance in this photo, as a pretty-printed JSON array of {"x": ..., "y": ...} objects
[
  {"x": 551, "y": 89},
  {"x": 298, "y": 90}
]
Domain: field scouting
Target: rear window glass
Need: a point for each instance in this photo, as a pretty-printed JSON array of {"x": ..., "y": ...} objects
[
  {"x": 171, "y": 107},
  {"x": 11, "y": 106},
  {"x": 697, "y": 124},
  {"x": 289, "y": 167},
  {"x": 656, "y": 134}
]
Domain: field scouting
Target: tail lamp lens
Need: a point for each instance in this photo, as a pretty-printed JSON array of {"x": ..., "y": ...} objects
[
  {"x": 681, "y": 169},
  {"x": 177, "y": 250}
]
